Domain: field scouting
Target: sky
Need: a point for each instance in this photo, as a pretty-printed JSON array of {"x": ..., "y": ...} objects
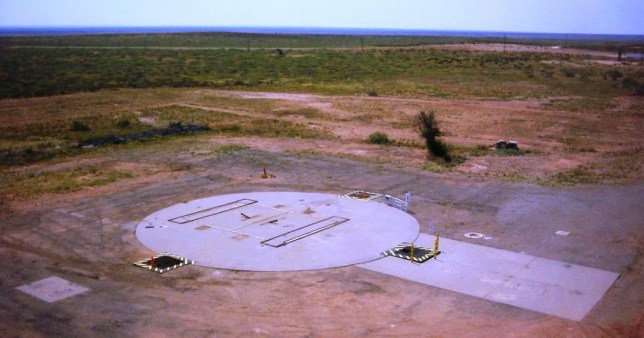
[{"x": 542, "y": 16}]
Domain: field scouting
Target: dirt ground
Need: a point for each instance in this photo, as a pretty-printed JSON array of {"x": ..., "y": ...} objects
[
  {"x": 87, "y": 236},
  {"x": 499, "y": 47}
]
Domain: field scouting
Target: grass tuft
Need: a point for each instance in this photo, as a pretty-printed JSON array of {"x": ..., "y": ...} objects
[{"x": 378, "y": 138}]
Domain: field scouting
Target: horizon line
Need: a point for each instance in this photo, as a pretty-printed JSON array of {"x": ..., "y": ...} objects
[{"x": 306, "y": 27}]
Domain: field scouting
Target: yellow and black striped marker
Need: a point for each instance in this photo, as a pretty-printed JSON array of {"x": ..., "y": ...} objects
[
  {"x": 413, "y": 253},
  {"x": 163, "y": 262}
]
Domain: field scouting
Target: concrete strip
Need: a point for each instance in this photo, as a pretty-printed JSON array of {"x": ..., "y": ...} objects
[
  {"x": 52, "y": 289},
  {"x": 529, "y": 282}
]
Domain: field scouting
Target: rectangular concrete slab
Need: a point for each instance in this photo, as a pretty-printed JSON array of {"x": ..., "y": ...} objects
[
  {"x": 538, "y": 284},
  {"x": 52, "y": 289}
]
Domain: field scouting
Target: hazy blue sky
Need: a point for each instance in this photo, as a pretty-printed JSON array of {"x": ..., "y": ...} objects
[{"x": 557, "y": 16}]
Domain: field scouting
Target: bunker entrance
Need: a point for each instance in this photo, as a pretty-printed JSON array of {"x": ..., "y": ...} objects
[
  {"x": 362, "y": 195},
  {"x": 412, "y": 253},
  {"x": 163, "y": 263}
]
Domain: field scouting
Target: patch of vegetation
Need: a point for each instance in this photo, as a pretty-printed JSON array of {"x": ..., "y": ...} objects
[
  {"x": 511, "y": 152},
  {"x": 585, "y": 104},
  {"x": 408, "y": 143},
  {"x": 79, "y": 126},
  {"x": 260, "y": 105},
  {"x": 614, "y": 74},
  {"x": 578, "y": 175},
  {"x": 174, "y": 128},
  {"x": 123, "y": 123},
  {"x": 282, "y": 41},
  {"x": 309, "y": 113},
  {"x": 178, "y": 166},
  {"x": 46, "y": 138},
  {"x": 67, "y": 128},
  {"x": 636, "y": 87},
  {"x": 378, "y": 138},
  {"x": 29, "y": 72},
  {"x": 27, "y": 155},
  {"x": 233, "y": 124},
  {"x": 612, "y": 168},
  {"x": 227, "y": 149},
  {"x": 429, "y": 130},
  {"x": 484, "y": 150},
  {"x": 434, "y": 167},
  {"x": 22, "y": 184},
  {"x": 479, "y": 150}
]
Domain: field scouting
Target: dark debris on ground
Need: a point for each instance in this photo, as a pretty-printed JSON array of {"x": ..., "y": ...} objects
[{"x": 172, "y": 129}]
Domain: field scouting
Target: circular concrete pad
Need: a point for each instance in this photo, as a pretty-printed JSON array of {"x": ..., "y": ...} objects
[{"x": 277, "y": 231}]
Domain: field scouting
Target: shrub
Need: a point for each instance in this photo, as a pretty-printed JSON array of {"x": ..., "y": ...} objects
[
  {"x": 639, "y": 90},
  {"x": 636, "y": 87},
  {"x": 175, "y": 125},
  {"x": 568, "y": 72},
  {"x": 79, "y": 126},
  {"x": 429, "y": 130},
  {"x": 378, "y": 138},
  {"x": 628, "y": 82},
  {"x": 123, "y": 123},
  {"x": 372, "y": 93},
  {"x": 614, "y": 74}
]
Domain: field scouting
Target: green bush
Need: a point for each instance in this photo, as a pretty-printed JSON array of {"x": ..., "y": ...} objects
[
  {"x": 568, "y": 72},
  {"x": 614, "y": 74},
  {"x": 429, "y": 130},
  {"x": 123, "y": 123},
  {"x": 378, "y": 138},
  {"x": 175, "y": 124},
  {"x": 639, "y": 90},
  {"x": 79, "y": 126}
]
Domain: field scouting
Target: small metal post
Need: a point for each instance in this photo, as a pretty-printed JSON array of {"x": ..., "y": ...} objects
[
  {"x": 436, "y": 245},
  {"x": 411, "y": 253}
]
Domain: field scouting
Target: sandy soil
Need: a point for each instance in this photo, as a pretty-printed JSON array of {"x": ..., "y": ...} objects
[{"x": 536, "y": 126}]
